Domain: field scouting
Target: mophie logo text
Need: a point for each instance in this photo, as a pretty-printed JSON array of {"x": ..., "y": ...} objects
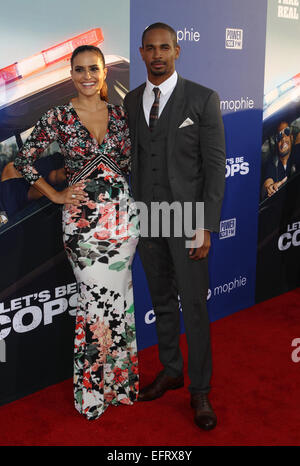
[{"x": 188, "y": 35}]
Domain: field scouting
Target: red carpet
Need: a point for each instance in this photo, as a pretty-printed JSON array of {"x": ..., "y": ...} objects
[{"x": 255, "y": 394}]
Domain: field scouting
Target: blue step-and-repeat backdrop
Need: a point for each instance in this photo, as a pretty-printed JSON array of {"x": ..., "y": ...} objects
[
  {"x": 222, "y": 47},
  {"x": 235, "y": 47}
]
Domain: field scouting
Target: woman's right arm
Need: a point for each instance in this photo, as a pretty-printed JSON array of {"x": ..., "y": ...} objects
[{"x": 44, "y": 133}]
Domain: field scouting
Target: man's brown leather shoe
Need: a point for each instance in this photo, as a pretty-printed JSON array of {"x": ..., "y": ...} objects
[
  {"x": 205, "y": 417},
  {"x": 159, "y": 386}
]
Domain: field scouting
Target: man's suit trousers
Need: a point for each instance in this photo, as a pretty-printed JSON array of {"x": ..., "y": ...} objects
[{"x": 170, "y": 272}]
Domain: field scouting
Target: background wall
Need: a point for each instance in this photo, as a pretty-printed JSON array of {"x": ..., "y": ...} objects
[{"x": 222, "y": 47}]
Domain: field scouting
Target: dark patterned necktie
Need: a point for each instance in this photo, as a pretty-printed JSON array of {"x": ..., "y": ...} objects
[{"x": 154, "y": 109}]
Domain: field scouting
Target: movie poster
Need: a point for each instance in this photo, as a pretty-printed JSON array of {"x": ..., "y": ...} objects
[
  {"x": 38, "y": 292},
  {"x": 278, "y": 251}
]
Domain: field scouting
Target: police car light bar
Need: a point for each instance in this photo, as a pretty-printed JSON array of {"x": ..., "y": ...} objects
[
  {"x": 281, "y": 95},
  {"x": 271, "y": 96},
  {"x": 23, "y": 88},
  {"x": 48, "y": 57}
]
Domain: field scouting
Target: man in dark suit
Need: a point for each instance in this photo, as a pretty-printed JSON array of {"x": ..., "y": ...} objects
[{"x": 178, "y": 154}]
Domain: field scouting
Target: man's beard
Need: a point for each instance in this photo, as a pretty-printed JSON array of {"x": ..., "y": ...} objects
[{"x": 158, "y": 72}]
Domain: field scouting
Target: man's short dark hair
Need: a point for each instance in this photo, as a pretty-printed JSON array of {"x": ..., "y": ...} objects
[{"x": 160, "y": 26}]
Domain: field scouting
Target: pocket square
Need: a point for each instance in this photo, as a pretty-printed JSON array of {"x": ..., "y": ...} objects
[{"x": 186, "y": 122}]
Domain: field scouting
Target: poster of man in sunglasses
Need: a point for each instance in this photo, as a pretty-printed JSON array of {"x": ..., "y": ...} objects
[{"x": 285, "y": 160}]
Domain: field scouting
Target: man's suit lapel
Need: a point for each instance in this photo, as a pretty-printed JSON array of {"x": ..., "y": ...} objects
[{"x": 177, "y": 113}]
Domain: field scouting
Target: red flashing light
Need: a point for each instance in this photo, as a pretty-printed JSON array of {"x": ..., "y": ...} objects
[
  {"x": 48, "y": 57},
  {"x": 64, "y": 50},
  {"x": 9, "y": 74},
  {"x": 296, "y": 79}
]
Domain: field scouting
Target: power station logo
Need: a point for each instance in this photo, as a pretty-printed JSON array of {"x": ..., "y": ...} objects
[
  {"x": 234, "y": 39},
  {"x": 227, "y": 228}
]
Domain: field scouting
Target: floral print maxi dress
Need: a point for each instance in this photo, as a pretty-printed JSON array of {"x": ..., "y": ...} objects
[{"x": 100, "y": 238}]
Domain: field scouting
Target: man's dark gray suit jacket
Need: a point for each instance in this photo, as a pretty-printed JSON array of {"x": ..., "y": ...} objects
[{"x": 195, "y": 153}]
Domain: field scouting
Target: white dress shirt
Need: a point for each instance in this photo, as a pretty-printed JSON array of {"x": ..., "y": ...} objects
[{"x": 166, "y": 89}]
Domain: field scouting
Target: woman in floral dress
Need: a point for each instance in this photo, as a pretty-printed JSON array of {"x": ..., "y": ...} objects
[{"x": 100, "y": 231}]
